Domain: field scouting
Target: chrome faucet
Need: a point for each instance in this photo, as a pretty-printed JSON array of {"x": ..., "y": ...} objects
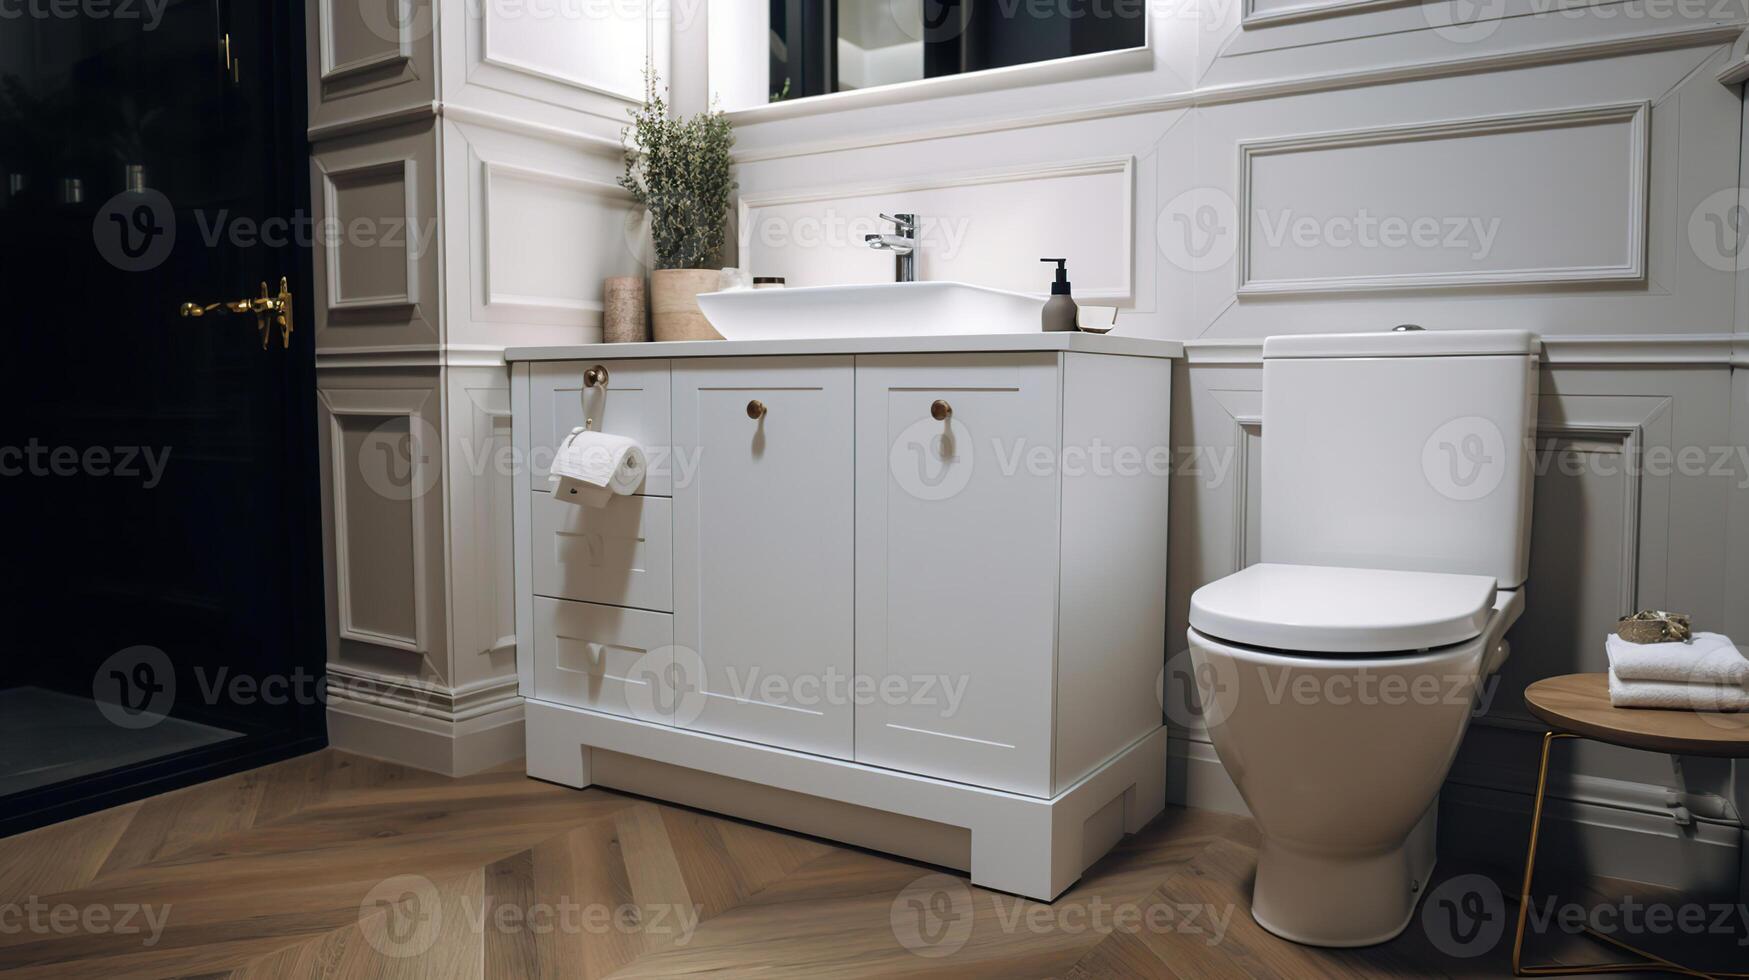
[{"x": 903, "y": 245}]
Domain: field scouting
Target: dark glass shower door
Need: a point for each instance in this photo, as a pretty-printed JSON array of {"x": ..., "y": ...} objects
[{"x": 157, "y": 471}]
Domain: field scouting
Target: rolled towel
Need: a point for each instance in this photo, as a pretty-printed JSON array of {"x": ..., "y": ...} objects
[
  {"x": 1680, "y": 697},
  {"x": 591, "y": 467},
  {"x": 1709, "y": 658}
]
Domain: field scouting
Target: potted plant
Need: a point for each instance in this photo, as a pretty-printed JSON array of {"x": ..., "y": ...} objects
[{"x": 678, "y": 169}]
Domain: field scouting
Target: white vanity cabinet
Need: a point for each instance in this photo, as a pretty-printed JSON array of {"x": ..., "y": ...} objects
[{"x": 907, "y": 593}]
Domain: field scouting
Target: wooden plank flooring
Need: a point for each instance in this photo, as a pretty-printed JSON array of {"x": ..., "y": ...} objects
[{"x": 333, "y": 865}]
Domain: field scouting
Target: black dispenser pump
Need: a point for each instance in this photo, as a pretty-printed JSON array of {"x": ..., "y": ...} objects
[
  {"x": 1061, "y": 286},
  {"x": 1059, "y": 312}
]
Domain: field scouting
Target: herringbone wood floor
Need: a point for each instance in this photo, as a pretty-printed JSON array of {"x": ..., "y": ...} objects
[{"x": 336, "y": 866}]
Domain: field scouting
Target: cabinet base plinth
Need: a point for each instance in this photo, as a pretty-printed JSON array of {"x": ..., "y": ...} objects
[{"x": 1025, "y": 845}]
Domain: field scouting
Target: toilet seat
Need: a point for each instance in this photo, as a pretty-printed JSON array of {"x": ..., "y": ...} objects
[{"x": 1316, "y": 610}]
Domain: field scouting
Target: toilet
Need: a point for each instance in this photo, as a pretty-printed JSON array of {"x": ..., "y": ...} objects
[{"x": 1338, "y": 674}]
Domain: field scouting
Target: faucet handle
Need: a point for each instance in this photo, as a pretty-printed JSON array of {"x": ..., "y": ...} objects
[{"x": 907, "y": 223}]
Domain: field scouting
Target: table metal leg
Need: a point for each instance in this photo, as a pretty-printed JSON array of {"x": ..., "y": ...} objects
[{"x": 1650, "y": 962}]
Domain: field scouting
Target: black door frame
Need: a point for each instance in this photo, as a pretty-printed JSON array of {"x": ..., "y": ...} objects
[{"x": 301, "y": 549}]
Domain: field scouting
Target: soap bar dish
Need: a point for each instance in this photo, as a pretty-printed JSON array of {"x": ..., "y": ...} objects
[{"x": 1096, "y": 319}]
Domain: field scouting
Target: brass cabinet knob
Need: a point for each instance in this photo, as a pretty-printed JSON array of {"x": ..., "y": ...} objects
[
  {"x": 595, "y": 377},
  {"x": 940, "y": 411},
  {"x": 755, "y": 409}
]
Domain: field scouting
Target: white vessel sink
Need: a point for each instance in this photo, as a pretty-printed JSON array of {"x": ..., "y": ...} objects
[{"x": 893, "y": 309}]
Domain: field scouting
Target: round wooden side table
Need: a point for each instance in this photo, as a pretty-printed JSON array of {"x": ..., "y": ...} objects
[{"x": 1577, "y": 706}]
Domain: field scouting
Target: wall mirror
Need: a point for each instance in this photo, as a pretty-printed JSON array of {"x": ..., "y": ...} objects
[{"x": 788, "y": 51}]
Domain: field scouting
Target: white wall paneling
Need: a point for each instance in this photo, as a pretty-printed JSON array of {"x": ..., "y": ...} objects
[
  {"x": 480, "y": 463},
  {"x": 372, "y": 276},
  {"x": 376, "y": 221},
  {"x": 534, "y": 225},
  {"x": 570, "y": 65},
  {"x": 356, "y": 38},
  {"x": 1584, "y": 168},
  {"x": 986, "y": 227},
  {"x": 368, "y": 59},
  {"x": 380, "y": 458}
]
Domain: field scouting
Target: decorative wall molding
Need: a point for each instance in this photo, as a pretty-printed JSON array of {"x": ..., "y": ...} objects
[
  {"x": 379, "y": 404},
  {"x": 1250, "y": 17},
  {"x": 474, "y": 115},
  {"x": 409, "y": 356},
  {"x": 1735, "y": 70},
  {"x": 491, "y": 299},
  {"x": 1688, "y": 36},
  {"x": 425, "y": 698},
  {"x": 1637, "y": 115},
  {"x": 403, "y": 169},
  {"x": 378, "y": 120},
  {"x": 747, "y": 204},
  {"x": 1631, "y": 350},
  {"x": 492, "y": 53},
  {"x": 399, "y": 54}
]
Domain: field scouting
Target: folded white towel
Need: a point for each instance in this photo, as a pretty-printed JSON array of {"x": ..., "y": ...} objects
[
  {"x": 1681, "y": 697},
  {"x": 1709, "y": 658},
  {"x": 591, "y": 467}
]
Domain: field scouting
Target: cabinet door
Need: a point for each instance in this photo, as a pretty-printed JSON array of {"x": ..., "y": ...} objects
[
  {"x": 956, "y": 566},
  {"x": 763, "y": 532}
]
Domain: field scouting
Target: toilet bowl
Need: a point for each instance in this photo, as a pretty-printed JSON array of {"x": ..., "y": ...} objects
[
  {"x": 1339, "y": 674},
  {"x": 1338, "y": 739}
]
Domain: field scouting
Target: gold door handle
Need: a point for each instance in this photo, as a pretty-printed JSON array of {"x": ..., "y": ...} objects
[
  {"x": 755, "y": 409},
  {"x": 940, "y": 410},
  {"x": 595, "y": 377},
  {"x": 269, "y": 311}
]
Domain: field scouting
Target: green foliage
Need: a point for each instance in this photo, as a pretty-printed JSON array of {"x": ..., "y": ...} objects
[{"x": 678, "y": 169}]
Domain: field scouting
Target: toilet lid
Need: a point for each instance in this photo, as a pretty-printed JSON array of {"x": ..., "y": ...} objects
[{"x": 1319, "y": 609}]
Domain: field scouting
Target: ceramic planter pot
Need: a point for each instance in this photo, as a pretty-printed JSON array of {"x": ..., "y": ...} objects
[{"x": 674, "y": 312}]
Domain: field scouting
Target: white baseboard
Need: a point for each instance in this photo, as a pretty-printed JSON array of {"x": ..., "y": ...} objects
[
  {"x": 1617, "y": 839},
  {"x": 427, "y": 740}
]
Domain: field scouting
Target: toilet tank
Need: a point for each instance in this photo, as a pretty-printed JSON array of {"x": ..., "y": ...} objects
[{"x": 1404, "y": 449}]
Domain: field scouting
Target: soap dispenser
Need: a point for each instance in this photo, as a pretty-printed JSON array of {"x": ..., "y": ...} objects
[{"x": 1059, "y": 312}]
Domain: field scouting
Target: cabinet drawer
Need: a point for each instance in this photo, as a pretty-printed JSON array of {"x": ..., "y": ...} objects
[
  {"x": 602, "y": 657},
  {"x": 762, "y": 547},
  {"x": 956, "y": 565},
  {"x": 618, "y": 554},
  {"x": 635, "y": 405}
]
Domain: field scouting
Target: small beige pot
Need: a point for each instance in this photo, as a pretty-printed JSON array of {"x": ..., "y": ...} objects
[{"x": 674, "y": 312}]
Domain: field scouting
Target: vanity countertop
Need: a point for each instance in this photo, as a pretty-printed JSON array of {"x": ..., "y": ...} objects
[{"x": 1073, "y": 341}]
